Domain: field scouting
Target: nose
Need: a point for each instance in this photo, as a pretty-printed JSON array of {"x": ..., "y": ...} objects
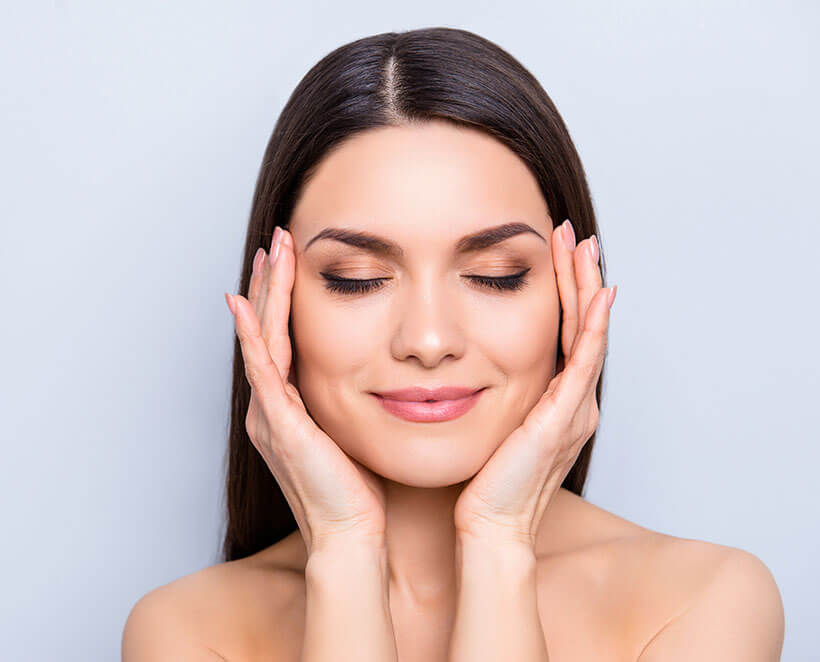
[{"x": 427, "y": 323}]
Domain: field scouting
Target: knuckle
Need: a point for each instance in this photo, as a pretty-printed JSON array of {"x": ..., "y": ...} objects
[
  {"x": 587, "y": 370},
  {"x": 577, "y": 429},
  {"x": 255, "y": 429},
  {"x": 253, "y": 375},
  {"x": 594, "y": 419},
  {"x": 243, "y": 335},
  {"x": 251, "y": 415},
  {"x": 250, "y": 425},
  {"x": 598, "y": 332}
]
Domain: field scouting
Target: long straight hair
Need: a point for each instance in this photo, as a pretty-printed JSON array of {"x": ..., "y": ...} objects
[{"x": 391, "y": 79}]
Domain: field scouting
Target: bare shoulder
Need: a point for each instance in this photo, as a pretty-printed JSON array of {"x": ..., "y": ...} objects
[
  {"x": 235, "y": 610},
  {"x": 654, "y": 587},
  {"x": 733, "y": 610}
]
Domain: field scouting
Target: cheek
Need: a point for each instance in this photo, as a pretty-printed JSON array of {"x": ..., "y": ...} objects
[
  {"x": 328, "y": 338},
  {"x": 522, "y": 338},
  {"x": 332, "y": 352},
  {"x": 329, "y": 353},
  {"x": 521, "y": 345}
]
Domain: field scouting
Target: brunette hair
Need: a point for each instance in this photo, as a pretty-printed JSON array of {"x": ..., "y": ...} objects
[{"x": 391, "y": 79}]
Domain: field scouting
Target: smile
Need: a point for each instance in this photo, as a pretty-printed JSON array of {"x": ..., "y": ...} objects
[{"x": 430, "y": 412}]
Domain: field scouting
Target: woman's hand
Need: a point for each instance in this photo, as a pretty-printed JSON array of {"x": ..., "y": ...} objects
[
  {"x": 507, "y": 498},
  {"x": 332, "y": 496}
]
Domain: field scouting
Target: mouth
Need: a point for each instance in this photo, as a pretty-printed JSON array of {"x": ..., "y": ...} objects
[
  {"x": 425, "y": 394},
  {"x": 430, "y": 410}
]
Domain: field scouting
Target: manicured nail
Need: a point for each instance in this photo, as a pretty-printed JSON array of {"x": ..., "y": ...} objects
[
  {"x": 610, "y": 299},
  {"x": 287, "y": 238},
  {"x": 569, "y": 235},
  {"x": 277, "y": 242},
  {"x": 231, "y": 303},
  {"x": 257, "y": 260},
  {"x": 593, "y": 248},
  {"x": 276, "y": 232}
]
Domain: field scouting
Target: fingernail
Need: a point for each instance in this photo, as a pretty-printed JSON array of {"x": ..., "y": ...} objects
[
  {"x": 231, "y": 303},
  {"x": 276, "y": 244},
  {"x": 276, "y": 232},
  {"x": 257, "y": 259},
  {"x": 611, "y": 296},
  {"x": 287, "y": 238},
  {"x": 569, "y": 234},
  {"x": 593, "y": 248}
]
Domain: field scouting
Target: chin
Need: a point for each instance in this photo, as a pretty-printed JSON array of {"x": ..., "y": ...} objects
[{"x": 428, "y": 463}]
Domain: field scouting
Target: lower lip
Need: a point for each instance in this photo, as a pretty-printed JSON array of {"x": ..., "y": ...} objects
[{"x": 429, "y": 412}]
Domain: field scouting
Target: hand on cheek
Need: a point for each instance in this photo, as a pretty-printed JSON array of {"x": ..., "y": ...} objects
[{"x": 504, "y": 502}]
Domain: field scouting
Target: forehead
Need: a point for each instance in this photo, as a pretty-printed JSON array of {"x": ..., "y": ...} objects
[{"x": 420, "y": 181}]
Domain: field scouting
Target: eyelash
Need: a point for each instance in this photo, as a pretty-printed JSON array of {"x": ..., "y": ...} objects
[{"x": 361, "y": 286}]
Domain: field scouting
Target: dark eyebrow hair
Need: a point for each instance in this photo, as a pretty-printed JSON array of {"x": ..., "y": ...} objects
[{"x": 470, "y": 243}]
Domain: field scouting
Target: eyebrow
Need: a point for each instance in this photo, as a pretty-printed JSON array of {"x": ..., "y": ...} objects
[{"x": 471, "y": 243}]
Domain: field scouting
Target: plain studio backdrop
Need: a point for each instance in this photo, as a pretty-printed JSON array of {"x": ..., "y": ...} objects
[{"x": 132, "y": 134}]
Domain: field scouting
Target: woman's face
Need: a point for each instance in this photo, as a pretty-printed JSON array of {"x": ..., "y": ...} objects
[{"x": 421, "y": 189}]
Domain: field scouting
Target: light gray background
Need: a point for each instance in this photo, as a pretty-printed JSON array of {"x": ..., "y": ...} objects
[{"x": 131, "y": 139}]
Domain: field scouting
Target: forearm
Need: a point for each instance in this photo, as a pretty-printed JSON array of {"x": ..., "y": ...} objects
[
  {"x": 347, "y": 616},
  {"x": 497, "y": 612}
]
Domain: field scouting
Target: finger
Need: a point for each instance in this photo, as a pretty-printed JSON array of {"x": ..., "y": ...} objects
[
  {"x": 256, "y": 277},
  {"x": 260, "y": 370},
  {"x": 584, "y": 366},
  {"x": 261, "y": 298},
  {"x": 588, "y": 278},
  {"x": 266, "y": 275},
  {"x": 264, "y": 289},
  {"x": 276, "y": 313},
  {"x": 567, "y": 288}
]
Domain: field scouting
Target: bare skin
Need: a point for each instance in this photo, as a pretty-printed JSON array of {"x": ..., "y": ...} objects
[
  {"x": 606, "y": 586},
  {"x": 607, "y": 589}
]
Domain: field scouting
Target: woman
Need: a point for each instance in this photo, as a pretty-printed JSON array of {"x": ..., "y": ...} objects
[{"x": 421, "y": 334}]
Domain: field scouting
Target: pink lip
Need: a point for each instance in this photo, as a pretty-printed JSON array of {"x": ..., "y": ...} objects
[
  {"x": 428, "y": 412},
  {"x": 421, "y": 393}
]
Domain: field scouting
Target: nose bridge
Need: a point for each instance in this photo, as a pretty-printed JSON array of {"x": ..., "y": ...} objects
[{"x": 428, "y": 325}]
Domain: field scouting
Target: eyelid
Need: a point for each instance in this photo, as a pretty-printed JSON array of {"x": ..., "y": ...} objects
[
  {"x": 330, "y": 275},
  {"x": 353, "y": 286}
]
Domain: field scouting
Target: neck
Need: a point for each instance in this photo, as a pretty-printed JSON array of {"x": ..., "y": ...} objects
[{"x": 420, "y": 541}]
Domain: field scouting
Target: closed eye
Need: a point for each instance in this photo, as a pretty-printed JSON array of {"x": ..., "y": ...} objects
[{"x": 360, "y": 286}]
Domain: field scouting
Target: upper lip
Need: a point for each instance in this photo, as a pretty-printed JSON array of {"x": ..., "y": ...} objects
[{"x": 421, "y": 393}]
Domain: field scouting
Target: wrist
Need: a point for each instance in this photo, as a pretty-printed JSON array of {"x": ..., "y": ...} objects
[
  {"x": 347, "y": 543},
  {"x": 340, "y": 556},
  {"x": 495, "y": 543},
  {"x": 494, "y": 557}
]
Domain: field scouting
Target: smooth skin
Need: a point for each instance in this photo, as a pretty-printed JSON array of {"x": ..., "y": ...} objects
[
  {"x": 338, "y": 503},
  {"x": 450, "y": 541},
  {"x": 497, "y": 514}
]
